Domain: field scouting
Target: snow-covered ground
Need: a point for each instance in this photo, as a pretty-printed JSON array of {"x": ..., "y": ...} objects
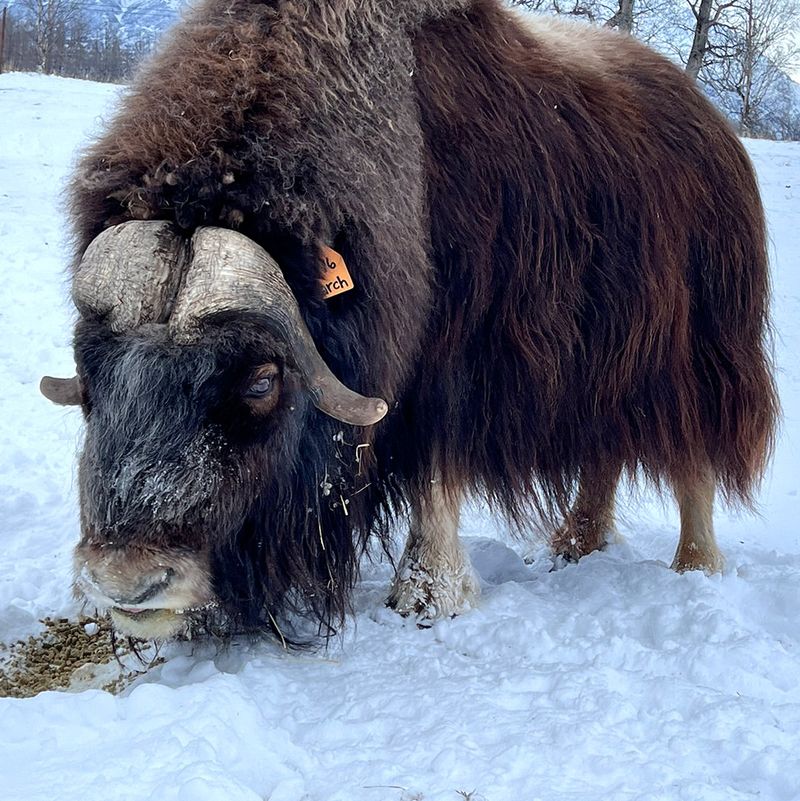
[{"x": 611, "y": 679}]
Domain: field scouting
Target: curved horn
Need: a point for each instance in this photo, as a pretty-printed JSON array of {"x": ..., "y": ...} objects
[
  {"x": 63, "y": 391},
  {"x": 131, "y": 273},
  {"x": 228, "y": 272}
]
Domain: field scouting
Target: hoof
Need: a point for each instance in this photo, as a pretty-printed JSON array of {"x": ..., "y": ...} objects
[
  {"x": 692, "y": 558},
  {"x": 430, "y": 595},
  {"x": 570, "y": 544}
]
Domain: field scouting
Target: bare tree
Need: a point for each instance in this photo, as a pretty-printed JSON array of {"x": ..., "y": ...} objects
[
  {"x": 702, "y": 10},
  {"x": 588, "y": 9},
  {"x": 647, "y": 19},
  {"x": 48, "y": 20},
  {"x": 623, "y": 16},
  {"x": 72, "y": 46},
  {"x": 3, "y": 24},
  {"x": 751, "y": 55}
]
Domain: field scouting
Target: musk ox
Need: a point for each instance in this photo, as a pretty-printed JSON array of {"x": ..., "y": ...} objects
[{"x": 557, "y": 277}]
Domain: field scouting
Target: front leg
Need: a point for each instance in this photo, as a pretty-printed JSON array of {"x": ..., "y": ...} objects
[{"x": 434, "y": 578}]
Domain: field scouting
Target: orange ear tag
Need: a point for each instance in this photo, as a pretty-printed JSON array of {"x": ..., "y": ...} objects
[{"x": 335, "y": 277}]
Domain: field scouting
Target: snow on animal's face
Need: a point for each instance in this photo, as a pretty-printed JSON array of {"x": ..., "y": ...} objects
[{"x": 180, "y": 440}]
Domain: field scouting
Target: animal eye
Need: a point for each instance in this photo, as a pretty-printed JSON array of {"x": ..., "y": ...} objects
[
  {"x": 263, "y": 382},
  {"x": 260, "y": 387}
]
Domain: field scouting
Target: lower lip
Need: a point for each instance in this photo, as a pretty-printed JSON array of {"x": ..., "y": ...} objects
[
  {"x": 138, "y": 614},
  {"x": 148, "y": 624}
]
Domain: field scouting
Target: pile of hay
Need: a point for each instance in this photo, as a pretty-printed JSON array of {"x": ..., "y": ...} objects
[{"x": 72, "y": 655}]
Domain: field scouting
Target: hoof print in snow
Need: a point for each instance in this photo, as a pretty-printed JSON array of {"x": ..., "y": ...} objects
[{"x": 559, "y": 562}]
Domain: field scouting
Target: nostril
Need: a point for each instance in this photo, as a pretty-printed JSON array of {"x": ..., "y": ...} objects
[
  {"x": 142, "y": 582},
  {"x": 149, "y": 588}
]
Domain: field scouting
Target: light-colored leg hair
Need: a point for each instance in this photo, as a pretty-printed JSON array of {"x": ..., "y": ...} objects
[
  {"x": 697, "y": 548},
  {"x": 434, "y": 578},
  {"x": 591, "y": 520}
]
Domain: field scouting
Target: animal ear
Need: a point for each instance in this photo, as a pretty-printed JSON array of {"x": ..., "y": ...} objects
[{"x": 63, "y": 391}]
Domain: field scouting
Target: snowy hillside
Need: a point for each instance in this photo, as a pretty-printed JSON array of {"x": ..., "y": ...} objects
[
  {"x": 611, "y": 679},
  {"x": 133, "y": 20}
]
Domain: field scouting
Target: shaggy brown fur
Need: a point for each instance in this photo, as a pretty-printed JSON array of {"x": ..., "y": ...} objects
[
  {"x": 560, "y": 260},
  {"x": 602, "y": 239}
]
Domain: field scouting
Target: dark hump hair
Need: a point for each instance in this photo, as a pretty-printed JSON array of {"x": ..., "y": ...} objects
[
  {"x": 558, "y": 246},
  {"x": 600, "y": 241}
]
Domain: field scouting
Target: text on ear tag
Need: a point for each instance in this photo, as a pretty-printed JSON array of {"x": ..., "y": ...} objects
[{"x": 335, "y": 277}]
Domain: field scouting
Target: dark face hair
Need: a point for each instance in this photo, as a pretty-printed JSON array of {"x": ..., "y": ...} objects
[{"x": 183, "y": 443}]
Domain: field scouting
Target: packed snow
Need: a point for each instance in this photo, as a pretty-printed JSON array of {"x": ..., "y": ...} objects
[{"x": 613, "y": 678}]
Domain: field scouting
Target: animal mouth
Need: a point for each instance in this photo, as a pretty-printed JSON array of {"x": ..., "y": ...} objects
[
  {"x": 149, "y": 624},
  {"x": 144, "y": 613},
  {"x": 148, "y": 595},
  {"x": 160, "y": 623},
  {"x": 140, "y": 614},
  {"x": 151, "y": 592}
]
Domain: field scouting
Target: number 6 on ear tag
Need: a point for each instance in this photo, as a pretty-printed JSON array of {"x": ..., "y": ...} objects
[{"x": 335, "y": 277}]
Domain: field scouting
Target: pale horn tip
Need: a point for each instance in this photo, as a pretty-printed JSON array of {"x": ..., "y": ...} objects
[{"x": 376, "y": 413}]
